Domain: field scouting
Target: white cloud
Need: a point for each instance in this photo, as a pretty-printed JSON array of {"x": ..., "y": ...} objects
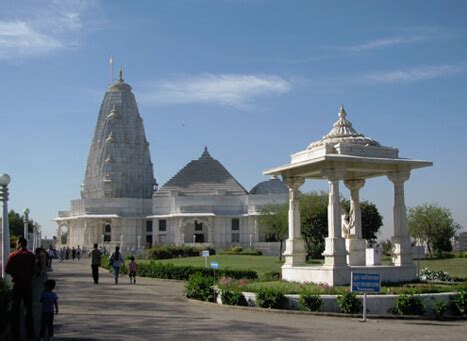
[
  {"x": 18, "y": 39},
  {"x": 227, "y": 89},
  {"x": 410, "y": 36},
  {"x": 51, "y": 27},
  {"x": 416, "y": 74}
]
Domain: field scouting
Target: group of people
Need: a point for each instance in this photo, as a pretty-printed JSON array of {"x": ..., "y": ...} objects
[
  {"x": 22, "y": 265},
  {"x": 74, "y": 253},
  {"x": 116, "y": 262}
]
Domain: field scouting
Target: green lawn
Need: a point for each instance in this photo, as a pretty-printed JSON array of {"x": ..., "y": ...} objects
[
  {"x": 260, "y": 264},
  {"x": 457, "y": 267}
]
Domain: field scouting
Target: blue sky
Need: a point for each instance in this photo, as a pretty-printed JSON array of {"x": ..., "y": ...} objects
[{"x": 253, "y": 80}]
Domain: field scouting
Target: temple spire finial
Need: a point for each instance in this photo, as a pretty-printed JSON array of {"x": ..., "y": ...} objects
[
  {"x": 342, "y": 112},
  {"x": 120, "y": 75}
]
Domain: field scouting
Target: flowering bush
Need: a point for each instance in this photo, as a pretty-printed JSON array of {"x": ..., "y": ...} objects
[{"x": 431, "y": 275}]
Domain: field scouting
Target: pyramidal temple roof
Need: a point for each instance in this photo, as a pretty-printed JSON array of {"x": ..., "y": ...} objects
[
  {"x": 119, "y": 163},
  {"x": 204, "y": 176}
]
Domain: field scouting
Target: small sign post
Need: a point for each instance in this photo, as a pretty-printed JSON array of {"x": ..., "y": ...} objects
[
  {"x": 205, "y": 254},
  {"x": 361, "y": 282},
  {"x": 214, "y": 266}
]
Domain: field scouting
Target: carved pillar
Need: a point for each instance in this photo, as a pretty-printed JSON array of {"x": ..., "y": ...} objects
[
  {"x": 355, "y": 245},
  {"x": 295, "y": 252},
  {"x": 334, "y": 252},
  {"x": 210, "y": 226},
  {"x": 59, "y": 233},
  {"x": 402, "y": 249}
]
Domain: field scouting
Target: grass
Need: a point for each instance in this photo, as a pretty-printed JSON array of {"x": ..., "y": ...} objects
[
  {"x": 457, "y": 267},
  {"x": 260, "y": 264}
]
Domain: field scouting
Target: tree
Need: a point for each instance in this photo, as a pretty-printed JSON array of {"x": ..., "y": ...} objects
[
  {"x": 314, "y": 221},
  {"x": 16, "y": 223},
  {"x": 433, "y": 226},
  {"x": 273, "y": 222}
]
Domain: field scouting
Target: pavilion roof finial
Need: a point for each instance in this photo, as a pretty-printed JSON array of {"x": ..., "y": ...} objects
[
  {"x": 120, "y": 75},
  {"x": 342, "y": 113}
]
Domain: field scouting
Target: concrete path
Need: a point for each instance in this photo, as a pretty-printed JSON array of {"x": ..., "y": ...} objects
[{"x": 157, "y": 310}]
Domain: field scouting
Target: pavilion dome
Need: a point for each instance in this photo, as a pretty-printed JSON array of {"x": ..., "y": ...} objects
[
  {"x": 205, "y": 176},
  {"x": 119, "y": 163},
  {"x": 272, "y": 186},
  {"x": 342, "y": 131}
]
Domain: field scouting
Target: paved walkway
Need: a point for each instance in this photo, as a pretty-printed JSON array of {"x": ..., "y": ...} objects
[{"x": 156, "y": 310}]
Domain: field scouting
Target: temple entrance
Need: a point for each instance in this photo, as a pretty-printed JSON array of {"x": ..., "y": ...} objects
[{"x": 199, "y": 237}]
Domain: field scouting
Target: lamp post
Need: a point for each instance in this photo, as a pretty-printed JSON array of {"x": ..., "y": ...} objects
[
  {"x": 4, "y": 181},
  {"x": 26, "y": 221}
]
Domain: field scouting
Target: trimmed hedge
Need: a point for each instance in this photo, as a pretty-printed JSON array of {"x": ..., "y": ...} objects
[
  {"x": 270, "y": 298},
  {"x": 172, "y": 251},
  {"x": 179, "y": 272},
  {"x": 241, "y": 252}
]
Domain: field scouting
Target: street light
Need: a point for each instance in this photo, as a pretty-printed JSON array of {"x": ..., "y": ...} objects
[
  {"x": 4, "y": 181},
  {"x": 25, "y": 220}
]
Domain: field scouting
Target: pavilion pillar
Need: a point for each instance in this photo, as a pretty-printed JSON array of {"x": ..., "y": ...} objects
[
  {"x": 334, "y": 251},
  {"x": 402, "y": 249},
  {"x": 295, "y": 252},
  {"x": 355, "y": 244},
  {"x": 59, "y": 233}
]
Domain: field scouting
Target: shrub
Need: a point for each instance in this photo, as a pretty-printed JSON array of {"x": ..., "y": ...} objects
[
  {"x": 172, "y": 251},
  {"x": 199, "y": 287},
  {"x": 439, "y": 308},
  {"x": 271, "y": 276},
  {"x": 459, "y": 302},
  {"x": 239, "y": 251},
  {"x": 181, "y": 272},
  {"x": 270, "y": 298},
  {"x": 430, "y": 275},
  {"x": 310, "y": 301},
  {"x": 408, "y": 304},
  {"x": 232, "y": 297},
  {"x": 349, "y": 303}
]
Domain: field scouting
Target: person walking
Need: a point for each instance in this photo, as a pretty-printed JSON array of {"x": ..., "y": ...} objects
[
  {"x": 73, "y": 253},
  {"x": 116, "y": 261},
  {"x": 62, "y": 254},
  {"x": 67, "y": 253},
  {"x": 132, "y": 267},
  {"x": 78, "y": 252},
  {"x": 49, "y": 300},
  {"x": 20, "y": 265},
  {"x": 51, "y": 256},
  {"x": 95, "y": 255}
]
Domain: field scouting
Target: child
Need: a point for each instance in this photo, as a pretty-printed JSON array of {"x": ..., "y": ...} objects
[
  {"x": 49, "y": 300},
  {"x": 132, "y": 267}
]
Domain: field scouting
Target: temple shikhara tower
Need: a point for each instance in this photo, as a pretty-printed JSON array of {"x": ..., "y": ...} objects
[
  {"x": 121, "y": 204},
  {"x": 116, "y": 195}
]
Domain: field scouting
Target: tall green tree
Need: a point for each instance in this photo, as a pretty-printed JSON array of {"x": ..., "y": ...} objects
[
  {"x": 16, "y": 223},
  {"x": 314, "y": 221},
  {"x": 273, "y": 222},
  {"x": 432, "y": 225}
]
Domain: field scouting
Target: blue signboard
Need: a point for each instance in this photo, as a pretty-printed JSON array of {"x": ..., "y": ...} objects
[
  {"x": 214, "y": 265},
  {"x": 366, "y": 282}
]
